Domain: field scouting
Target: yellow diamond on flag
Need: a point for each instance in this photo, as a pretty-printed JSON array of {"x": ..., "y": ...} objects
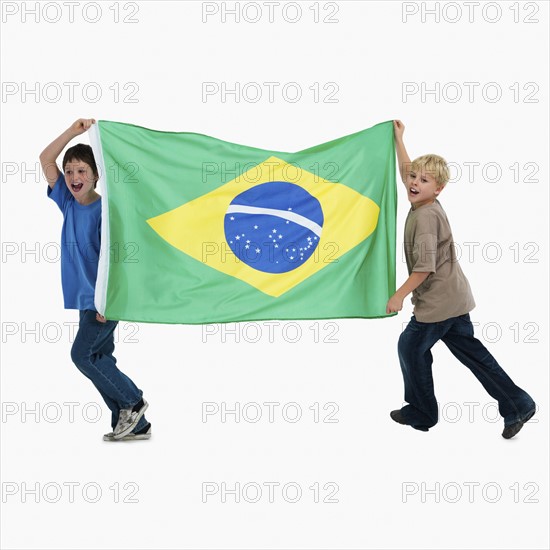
[{"x": 272, "y": 226}]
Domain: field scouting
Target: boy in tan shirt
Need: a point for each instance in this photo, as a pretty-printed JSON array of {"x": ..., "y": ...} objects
[{"x": 442, "y": 301}]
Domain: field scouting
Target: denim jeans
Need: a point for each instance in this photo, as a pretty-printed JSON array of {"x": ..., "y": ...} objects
[
  {"x": 457, "y": 333},
  {"x": 92, "y": 353}
]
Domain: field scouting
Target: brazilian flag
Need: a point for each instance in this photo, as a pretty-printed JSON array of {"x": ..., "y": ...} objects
[{"x": 200, "y": 230}]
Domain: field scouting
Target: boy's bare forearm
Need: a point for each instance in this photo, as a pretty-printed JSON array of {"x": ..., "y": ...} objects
[
  {"x": 403, "y": 159},
  {"x": 395, "y": 303},
  {"x": 49, "y": 156},
  {"x": 416, "y": 278},
  {"x": 53, "y": 150}
]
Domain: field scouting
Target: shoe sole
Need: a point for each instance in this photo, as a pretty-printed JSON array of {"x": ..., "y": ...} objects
[
  {"x": 129, "y": 437},
  {"x": 133, "y": 424}
]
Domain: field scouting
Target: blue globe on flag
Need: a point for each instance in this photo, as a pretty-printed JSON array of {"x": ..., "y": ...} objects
[{"x": 274, "y": 227}]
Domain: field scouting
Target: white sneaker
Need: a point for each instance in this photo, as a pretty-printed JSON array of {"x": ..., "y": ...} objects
[
  {"x": 129, "y": 437},
  {"x": 128, "y": 420}
]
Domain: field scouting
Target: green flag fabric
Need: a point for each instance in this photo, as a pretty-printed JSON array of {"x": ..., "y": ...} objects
[{"x": 199, "y": 230}]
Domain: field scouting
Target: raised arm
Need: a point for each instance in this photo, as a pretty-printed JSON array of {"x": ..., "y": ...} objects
[
  {"x": 403, "y": 159},
  {"x": 49, "y": 156}
]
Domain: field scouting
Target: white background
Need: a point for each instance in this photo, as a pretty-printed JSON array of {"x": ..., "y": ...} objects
[{"x": 370, "y": 50}]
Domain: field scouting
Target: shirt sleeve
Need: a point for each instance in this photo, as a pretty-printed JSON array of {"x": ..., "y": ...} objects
[
  {"x": 425, "y": 244},
  {"x": 60, "y": 194}
]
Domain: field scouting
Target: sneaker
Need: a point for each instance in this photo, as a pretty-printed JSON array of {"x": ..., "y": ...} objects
[
  {"x": 397, "y": 416},
  {"x": 129, "y": 418},
  {"x": 511, "y": 430},
  {"x": 144, "y": 433}
]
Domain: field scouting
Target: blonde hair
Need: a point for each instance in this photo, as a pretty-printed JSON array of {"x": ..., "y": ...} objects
[{"x": 434, "y": 165}]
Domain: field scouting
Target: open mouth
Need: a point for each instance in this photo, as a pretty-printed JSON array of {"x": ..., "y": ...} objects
[
  {"x": 76, "y": 187},
  {"x": 413, "y": 191}
]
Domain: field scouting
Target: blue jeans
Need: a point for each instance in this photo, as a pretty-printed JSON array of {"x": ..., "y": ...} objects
[
  {"x": 457, "y": 333},
  {"x": 92, "y": 353}
]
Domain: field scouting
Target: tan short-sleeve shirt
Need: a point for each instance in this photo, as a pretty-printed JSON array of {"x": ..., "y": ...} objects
[{"x": 429, "y": 248}]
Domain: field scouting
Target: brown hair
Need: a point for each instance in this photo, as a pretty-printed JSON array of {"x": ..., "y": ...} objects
[{"x": 84, "y": 153}]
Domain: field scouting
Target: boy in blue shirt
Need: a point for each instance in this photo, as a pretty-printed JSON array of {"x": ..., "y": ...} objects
[
  {"x": 73, "y": 190},
  {"x": 442, "y": 301}
]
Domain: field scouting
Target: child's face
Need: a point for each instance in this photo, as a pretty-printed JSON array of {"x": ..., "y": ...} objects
[
  {"x": 422, "y": 188},
  {"x": 80, "y": 178}
]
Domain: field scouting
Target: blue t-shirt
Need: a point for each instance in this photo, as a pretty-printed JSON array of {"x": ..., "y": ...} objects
[{"x": 80, "y": 246}]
